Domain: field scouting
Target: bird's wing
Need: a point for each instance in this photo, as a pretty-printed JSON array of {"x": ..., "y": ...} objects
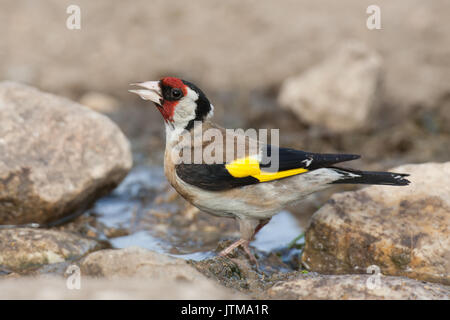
[{"x": 256, "y": 168}]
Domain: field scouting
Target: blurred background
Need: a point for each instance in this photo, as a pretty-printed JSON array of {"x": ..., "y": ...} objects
[{"x": 263, "y": 64}]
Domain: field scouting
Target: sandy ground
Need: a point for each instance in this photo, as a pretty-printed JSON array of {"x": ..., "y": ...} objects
[{"x": 222, "y": 45}]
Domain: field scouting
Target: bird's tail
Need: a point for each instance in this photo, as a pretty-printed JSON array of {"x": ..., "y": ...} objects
[{"x": 352, "y": 176}]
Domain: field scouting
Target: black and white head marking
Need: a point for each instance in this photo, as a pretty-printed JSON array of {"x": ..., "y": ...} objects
[{"x": 204, "y": 108}]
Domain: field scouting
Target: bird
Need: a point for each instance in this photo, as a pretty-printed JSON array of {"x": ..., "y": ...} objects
[{"x": 254, "y": 181}]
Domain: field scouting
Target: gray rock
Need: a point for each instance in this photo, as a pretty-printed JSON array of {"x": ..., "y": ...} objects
[
  {"x": 405, "y": 231},
  {"x": 168, "y": 277},
  {"x": 23, "y": 248},
  {"x": 350, "y": 287},
  {"x": 56, "y": 156},
  {"x": 137, "y": 262},
  {"x": 339, "y": 93}
]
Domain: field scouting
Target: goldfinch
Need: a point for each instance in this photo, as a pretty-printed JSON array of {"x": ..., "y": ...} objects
[{"x": 251, "y": 183}]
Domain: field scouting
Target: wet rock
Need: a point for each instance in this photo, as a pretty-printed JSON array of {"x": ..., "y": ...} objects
[
  {"x": 231, "y": 273},
  {"x": 24, "y": 248},
  {"x": 134, "y": 288},
  {"x": 56, "y": 156},
  {"x": 339, "y": 93},
  {"x": 87, "y": 225},
  {"x": 235, "y": 270},
  {"x": 357, "y": 287},
  {"x": 405, "y": 231}
]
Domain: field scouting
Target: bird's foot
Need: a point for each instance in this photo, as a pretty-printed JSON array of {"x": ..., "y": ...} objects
[
  {"x": 231, "y": 247},
  {"x": 245, "y": 245}
]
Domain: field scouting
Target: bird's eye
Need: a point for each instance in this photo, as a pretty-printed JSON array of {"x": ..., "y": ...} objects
[{"x": 176, "y": 93}]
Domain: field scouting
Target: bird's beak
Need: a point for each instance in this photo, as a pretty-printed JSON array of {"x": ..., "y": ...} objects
[{"x": 152, "y": 91}]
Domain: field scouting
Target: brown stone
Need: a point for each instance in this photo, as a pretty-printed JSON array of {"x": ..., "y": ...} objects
[
  {"x": 405, "y": 231},
  {"x": 24, "y": 248},
  {"x": 56, "y": 156},
  {"x": 351, "y": 287}
]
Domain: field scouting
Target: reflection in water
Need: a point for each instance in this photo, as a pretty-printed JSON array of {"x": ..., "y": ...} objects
[
  {"x": 278, "y": 233},
  {"x": 141, "y": 239}
]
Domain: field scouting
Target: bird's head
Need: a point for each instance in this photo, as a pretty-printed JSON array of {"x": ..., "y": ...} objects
[{"x": 180, "y": 102}]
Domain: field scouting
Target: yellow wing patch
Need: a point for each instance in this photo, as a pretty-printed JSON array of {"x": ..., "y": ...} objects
[
  {"x": 243, "y": 167},
  {"x": 268, "y": 176},
  {"x": 249, "y": 166}
]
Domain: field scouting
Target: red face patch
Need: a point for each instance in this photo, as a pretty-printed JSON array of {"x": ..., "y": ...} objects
[{"x": 169, "y": 101}]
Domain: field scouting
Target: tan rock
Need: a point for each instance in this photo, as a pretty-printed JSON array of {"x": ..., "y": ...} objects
[
  {"x": 124, "y": 288},
  {"x": 56, "y": 156},
  {"x": 351, "y": 287},
  {"x": 402, "y": 230},
  {"x": 339, "y": 93},
  {"x": 24, "y": 248},
  {"x": 137, "y": 262},
  {"x": 168, "y": 277}
]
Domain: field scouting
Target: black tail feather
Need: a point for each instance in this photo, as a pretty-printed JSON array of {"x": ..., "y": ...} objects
[{"x": 352, "y": 176}]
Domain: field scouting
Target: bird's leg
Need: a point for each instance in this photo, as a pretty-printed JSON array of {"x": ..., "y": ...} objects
[
  {"x": 249, "y": 228},
  {"x": 251, "y": 256},
  {"x": 245, "y": 245},
  {"x": 261, "y": 224}
]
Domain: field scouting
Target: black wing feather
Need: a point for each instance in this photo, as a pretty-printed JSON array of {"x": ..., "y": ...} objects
[
  {"x": 294, "y": 159},
  {"x": 371, "y": 177},
  {"x": 215, "y": 177}
]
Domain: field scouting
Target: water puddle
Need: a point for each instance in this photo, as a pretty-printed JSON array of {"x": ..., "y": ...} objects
[
  {"x": 278, "y": 233},
  {"x": 148, "y": 214}
]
